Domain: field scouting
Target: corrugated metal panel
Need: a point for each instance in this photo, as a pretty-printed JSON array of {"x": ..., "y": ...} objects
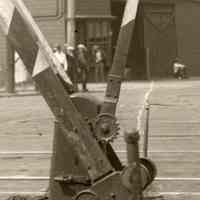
[
  {"x": 93, "y": 7},
  {"x": 188, "y": 32},
  {"x": 42, "y": 7}
]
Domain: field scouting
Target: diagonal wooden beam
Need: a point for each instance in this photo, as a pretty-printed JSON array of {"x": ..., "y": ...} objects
[{"x": 25, "y": 36}]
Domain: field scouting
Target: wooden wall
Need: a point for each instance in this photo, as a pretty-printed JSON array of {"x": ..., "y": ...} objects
[{"x": 188, "y": 34}]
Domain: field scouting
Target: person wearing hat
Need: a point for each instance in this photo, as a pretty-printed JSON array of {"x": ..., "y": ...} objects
[
  {"x": 83, "y": 65},
  {"x": 179, "y": 69},
  {"x": 99, "y": 63},
  {"x": 61, "y": 57},
  {"x": 72, "y": 65}
]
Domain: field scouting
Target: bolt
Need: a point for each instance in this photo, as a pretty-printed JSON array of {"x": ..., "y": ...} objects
[
  {"x": 132, "y": 137},
  {"x": 86, "y": 119},
  {"x": 105, "y": 128},
  {"x": 89, "y": 167},
  {"x": 62, "y": 112},
  {"x": 75, "y": 130},
  {"x": 113, "y": 195},
  {"x": 101, "y": 161}
]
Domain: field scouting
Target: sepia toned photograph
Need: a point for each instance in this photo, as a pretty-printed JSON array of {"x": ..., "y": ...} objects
[{"x": 99, "y": 100}]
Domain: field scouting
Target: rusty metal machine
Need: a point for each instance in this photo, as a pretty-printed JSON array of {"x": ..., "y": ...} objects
[{"x": 84, "y": 164}]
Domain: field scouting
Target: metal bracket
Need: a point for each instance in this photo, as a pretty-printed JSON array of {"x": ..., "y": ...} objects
[{"x": 71, "y": 179}]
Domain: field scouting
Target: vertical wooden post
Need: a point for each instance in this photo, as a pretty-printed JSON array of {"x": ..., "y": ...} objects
[
  {"x": 148, "y": 70},
  {"x": 10, "y": 68},
  {"x": 132, "y": 140},
  {"x": 71, "y": 26},
  {"x": 132, "y": 144}
]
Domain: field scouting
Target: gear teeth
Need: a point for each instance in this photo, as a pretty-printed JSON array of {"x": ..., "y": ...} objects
[{"x": 113, "y": 126}]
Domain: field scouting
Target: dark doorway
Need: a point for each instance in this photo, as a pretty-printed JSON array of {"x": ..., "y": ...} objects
[
  {"x": 136, "y": 64},
  {"x": 160, "y": 37}
]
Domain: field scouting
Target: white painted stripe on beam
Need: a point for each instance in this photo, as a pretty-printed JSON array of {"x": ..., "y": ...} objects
[
  {"x": 130, "y": 11},
  {"x": 6, "y": 14},
  {"x": 40, "y": 64}
]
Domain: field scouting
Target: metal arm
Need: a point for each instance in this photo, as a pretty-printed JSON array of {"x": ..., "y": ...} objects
[
  {"x": 106, "y": 126},
  {"x": 28, "y": 41},
  {"x": 120, "y": 58},
  {"x": 80, "y": 169}
]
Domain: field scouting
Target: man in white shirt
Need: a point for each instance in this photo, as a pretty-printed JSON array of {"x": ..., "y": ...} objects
[{"x": 60, "y": 55}]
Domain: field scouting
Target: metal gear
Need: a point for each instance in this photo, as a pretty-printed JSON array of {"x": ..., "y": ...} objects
[
  {"x": 106, "y": 127},
  {"x": 86, "y": 195}
]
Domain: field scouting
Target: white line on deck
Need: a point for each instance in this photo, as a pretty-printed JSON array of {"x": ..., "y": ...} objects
[
  {"x": 24, "y": 178},
  {"x": 156, "y": 194},
  {"x": 46, "y": 178},
  {"x": 24, "y": 152},
  {"x": 7, "y": 153},
  {"x": 22, "y": 193},
  {"x": 180, "y": 193},
  {"x": 176, "y": 179}
]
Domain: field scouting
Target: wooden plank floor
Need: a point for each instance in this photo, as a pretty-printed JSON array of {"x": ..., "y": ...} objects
[{"x": 26, "y": 135}]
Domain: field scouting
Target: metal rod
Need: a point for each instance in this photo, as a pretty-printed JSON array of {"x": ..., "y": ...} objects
[
  {"x": 148, "y": 64},
  {"x": 146, "y": 132}
]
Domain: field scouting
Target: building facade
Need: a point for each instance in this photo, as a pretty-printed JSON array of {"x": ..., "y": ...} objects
[
  {"x": 167, "y": 29},
  {"x": 163, "y": 28},
  {"x": 92, "y": 19}
]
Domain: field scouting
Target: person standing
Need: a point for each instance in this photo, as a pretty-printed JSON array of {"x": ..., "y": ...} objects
[
  {"x": 72, "y": 65},
  {"x": 83, "y": 65},
  {"x": 179, "y": 69},
  {"x": 61, "y": 57},
  {"x": 99, "y": 64}
]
